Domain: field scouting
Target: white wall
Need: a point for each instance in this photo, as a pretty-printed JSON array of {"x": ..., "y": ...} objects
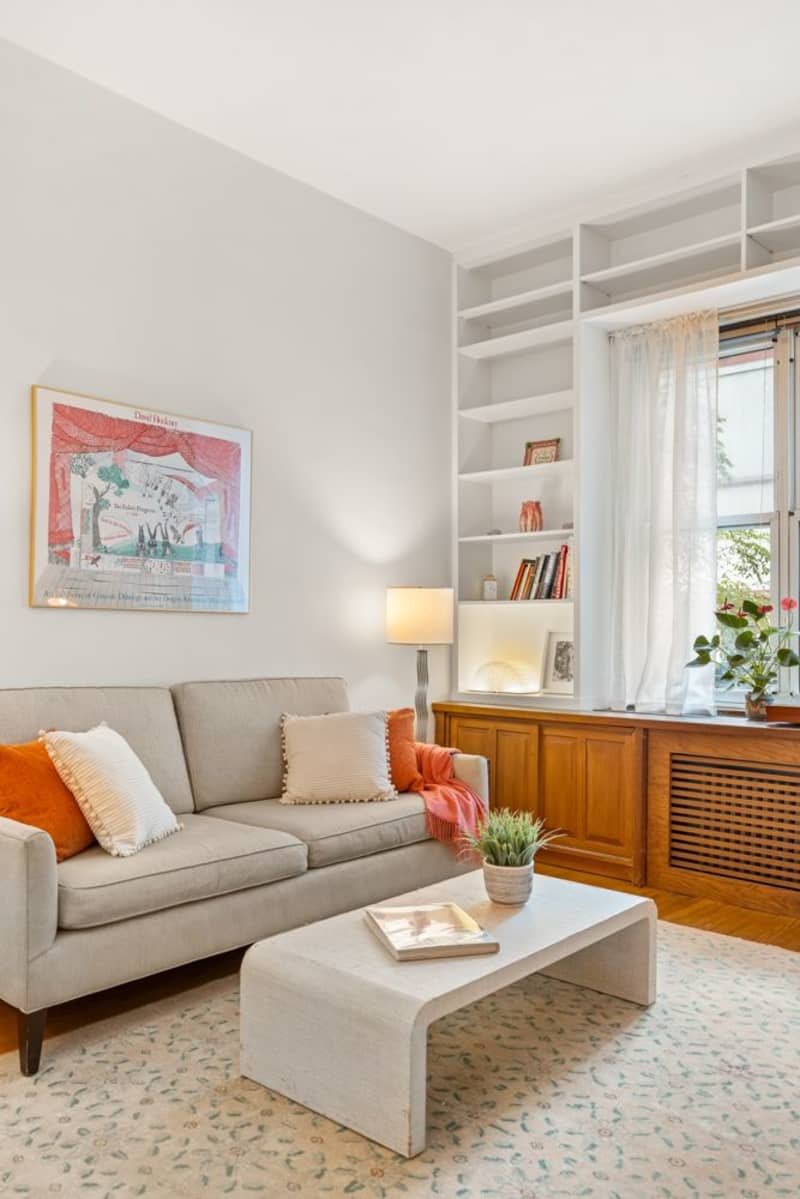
[{"x": 140, "y": 262}]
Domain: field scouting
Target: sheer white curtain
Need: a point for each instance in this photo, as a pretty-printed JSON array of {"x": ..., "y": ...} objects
[{"x": 664, "y": 413}]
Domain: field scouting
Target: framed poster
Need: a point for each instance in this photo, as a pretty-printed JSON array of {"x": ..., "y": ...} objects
[
  {"x": 559, "y": 664},
  {"x": 137, "y": 509}
]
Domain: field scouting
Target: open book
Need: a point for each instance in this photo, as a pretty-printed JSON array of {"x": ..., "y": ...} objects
[{"x": 432, "y": 930}]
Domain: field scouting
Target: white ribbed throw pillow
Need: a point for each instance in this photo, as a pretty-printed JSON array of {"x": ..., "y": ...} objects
[
  {"x": 341, "y": 758},
  {"x": 122, "y": 805}
]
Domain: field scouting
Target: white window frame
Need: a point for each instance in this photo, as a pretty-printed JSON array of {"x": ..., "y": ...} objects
[{"x": 784, "y": 521}]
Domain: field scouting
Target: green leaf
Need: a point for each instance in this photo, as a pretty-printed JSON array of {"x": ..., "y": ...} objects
[
  {"x": 731, "y": 621},
  {"x": 700, "y": 660},
  {"x": 715, "y": 640},
  {"x": 750, "y": 608},
  {"x": 745, "y": 639},
  {"x": 787, "y": 657},
  {"x": 736, "y": 659},
  {"x": 727, "y": 676},
  {"x": 701, "y": 641}
]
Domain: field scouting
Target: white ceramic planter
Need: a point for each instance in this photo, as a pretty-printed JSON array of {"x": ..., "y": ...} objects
[{"x": 508, "y": 884}]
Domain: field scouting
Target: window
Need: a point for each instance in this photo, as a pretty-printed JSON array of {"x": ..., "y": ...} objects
[{"x": 758, "y": 543}]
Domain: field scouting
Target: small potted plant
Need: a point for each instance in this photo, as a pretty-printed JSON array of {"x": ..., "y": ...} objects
[
  {"x": 508, "y": 842},
  {"x": 752, "y": 652}
]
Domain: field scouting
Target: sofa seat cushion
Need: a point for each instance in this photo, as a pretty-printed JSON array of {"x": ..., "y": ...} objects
[
  {"x": 337, "y": 832},
  {"x": 206, "y": 858}
]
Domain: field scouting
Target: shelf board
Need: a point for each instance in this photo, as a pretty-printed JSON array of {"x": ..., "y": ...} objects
[
  {"x": 778, "y": 237},
  {"x": 516, "y": 343},
  {"x": 509, "y": 303},
  {"x": 540, "y": 535},
  {"x": 502, "y": 473},
  {"x": 712, "y": 254},
  {"x": 739, "y": 288},
  {"x": 512, "y": 603},
  {"x": 550, "y": 401}
]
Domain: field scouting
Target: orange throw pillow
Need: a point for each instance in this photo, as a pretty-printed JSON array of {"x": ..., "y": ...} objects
[
  {"x": 402, "y": 753},
  {"x": 32, "y": 793}
]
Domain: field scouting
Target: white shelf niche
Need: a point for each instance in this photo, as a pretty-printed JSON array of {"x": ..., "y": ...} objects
[
  {"x": 491, "y": 452},
  {"x": 536, "y": 265},
  {"x": 533, "y": 375},
  {"x": 704, "y": 260},
  {"x": 502, "y": 647},
  {"x": 648, "y": 249},
  {"x": 518, "y": 342},
  {"x": 533, "y": 310},
  {"x": 772, "y": 192},
  {"x": 502, "y": 558}
]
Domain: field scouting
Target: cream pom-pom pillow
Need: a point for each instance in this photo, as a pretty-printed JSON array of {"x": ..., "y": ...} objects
[{"x": 340, "y": 758}]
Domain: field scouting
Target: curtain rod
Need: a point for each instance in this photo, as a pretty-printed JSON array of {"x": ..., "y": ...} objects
[{"x": 761, "y": 318}]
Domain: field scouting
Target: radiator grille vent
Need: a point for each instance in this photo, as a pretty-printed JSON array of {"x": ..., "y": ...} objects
[{"x": 737, "y": 820}]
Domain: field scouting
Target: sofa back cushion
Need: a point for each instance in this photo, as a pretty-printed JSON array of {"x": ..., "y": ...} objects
[
  {"x": 144, "y": 716},
  {"x": 232, "y": 734}
]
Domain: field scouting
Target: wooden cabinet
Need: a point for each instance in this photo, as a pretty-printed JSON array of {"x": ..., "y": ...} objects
[
  {"x": 583, "y": 775},
  {"x": 721, "y": 796}
]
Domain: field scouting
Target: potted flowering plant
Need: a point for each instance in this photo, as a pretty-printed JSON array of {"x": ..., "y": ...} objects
[{"x": 752, "y": 653}]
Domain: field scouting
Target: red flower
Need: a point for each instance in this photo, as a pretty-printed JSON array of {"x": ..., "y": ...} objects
[
  {"x": 788, "y": 604},
  {"x": 726, "y": 607},
  {"x": 742, "y": 614},
  {"x": 764, "y": 609}
]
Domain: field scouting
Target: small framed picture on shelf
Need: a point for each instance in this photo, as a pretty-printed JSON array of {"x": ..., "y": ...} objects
[
  {"x": 559, "y": 664},
  {"x": 538, "y": 452}
]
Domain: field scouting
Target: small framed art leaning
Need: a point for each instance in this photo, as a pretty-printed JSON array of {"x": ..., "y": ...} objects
[
  {"x": 559, "y": 664},
  {"x": 137, "y": 509}
]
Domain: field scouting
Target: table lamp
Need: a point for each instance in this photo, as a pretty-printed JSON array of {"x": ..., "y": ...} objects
[{"x": 420, "y": 616}]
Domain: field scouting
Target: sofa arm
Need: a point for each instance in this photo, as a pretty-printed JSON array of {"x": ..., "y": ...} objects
[
  {"x": 474, "y": 771},
  {"x": 28, "y": 904}
]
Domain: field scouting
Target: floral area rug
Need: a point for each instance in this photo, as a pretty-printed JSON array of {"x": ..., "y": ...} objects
[{"x": 541, "y": 1091}]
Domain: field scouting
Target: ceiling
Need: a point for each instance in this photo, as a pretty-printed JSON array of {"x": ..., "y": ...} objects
[{"x": 453, "y": 119}]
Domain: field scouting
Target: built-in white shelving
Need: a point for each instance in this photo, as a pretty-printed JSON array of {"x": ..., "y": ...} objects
[
  {"x": 531, "y": 363},
  {"x": 514, "y": 384}
]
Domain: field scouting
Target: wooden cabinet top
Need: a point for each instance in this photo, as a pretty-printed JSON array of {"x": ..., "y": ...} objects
[{"x": 723, "y": 725}]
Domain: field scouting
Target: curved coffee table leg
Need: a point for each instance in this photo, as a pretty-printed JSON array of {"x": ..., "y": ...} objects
[
  {"x": 622, "y": 964},
  {"x": 354, "y": 1053}
]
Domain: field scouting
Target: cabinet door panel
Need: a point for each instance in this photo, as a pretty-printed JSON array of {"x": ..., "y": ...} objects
[
  {"x": 472, "y": 737},
  {"x": 560, "y": 780},
  {"x": 606, "y": 791},
  {"x": 515, "y": 768},
  {"x": 476, "y": 737}
]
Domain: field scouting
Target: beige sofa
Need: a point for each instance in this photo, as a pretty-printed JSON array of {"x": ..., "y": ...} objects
[{"x": 243, "y": 867}]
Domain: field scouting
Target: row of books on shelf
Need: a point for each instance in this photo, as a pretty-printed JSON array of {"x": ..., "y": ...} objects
[{"x": 547, "y": 577}]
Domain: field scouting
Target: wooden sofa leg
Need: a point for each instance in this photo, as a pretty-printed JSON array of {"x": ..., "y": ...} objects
[{"x": 30, "y": 1031}]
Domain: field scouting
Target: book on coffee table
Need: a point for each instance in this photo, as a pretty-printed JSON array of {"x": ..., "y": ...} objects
[{"x": 433, "y": 930}]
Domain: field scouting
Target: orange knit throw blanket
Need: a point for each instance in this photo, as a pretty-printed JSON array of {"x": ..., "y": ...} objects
[{"x": 452, "y": 809}]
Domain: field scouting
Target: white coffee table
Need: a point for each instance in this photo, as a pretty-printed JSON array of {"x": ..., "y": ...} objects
[{"x": 332, "y": 1021}]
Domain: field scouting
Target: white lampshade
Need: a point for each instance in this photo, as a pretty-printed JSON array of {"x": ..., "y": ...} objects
[{"x": 419, "y": 615}]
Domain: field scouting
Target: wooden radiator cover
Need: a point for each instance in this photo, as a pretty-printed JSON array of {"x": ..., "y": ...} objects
[
  {"x": 738, "y": 820},
  {"x": 724, "y": 825}
]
